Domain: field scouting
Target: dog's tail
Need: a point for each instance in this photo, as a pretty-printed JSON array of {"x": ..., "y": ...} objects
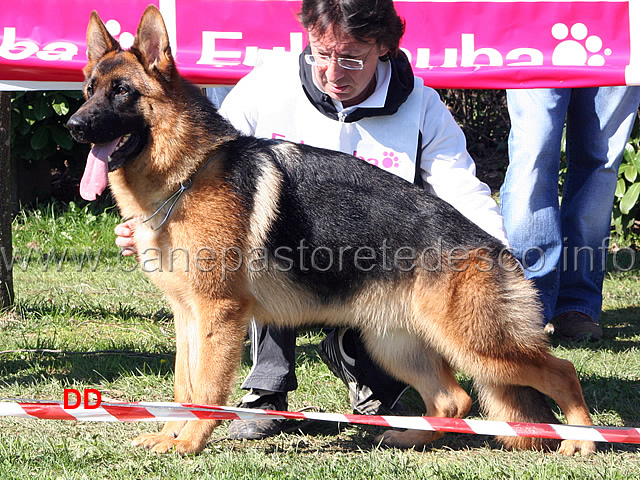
[
  {"x": 510, "y": 403},
  {"x": 520, "y": 315}
]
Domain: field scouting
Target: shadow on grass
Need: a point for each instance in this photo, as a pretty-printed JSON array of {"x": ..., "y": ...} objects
[
  {"x": 34, "y": 358},
  {"x": 621, "y": 325},
  {"x": 45, "y": 309},
  {"x": 27, "y": 369}
]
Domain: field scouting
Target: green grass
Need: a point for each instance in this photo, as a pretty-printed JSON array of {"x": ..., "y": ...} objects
[{"x": 103, "y": 326}]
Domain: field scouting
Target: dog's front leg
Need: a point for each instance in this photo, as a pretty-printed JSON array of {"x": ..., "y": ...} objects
[
  {"x": 182, "y": 315},
  {"x": 209, "y": 345}
]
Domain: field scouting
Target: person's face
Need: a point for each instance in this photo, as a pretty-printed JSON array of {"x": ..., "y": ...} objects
[{"x": 347, "y": 86}]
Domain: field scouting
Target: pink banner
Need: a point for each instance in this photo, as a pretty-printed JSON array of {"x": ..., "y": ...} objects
[{"x": 478, "y": 44}]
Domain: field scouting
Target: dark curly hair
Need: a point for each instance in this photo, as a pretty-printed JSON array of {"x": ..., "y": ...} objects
[{"x": 361, "y": 19}]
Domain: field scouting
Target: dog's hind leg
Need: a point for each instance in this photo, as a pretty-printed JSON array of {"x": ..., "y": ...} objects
[
  {"x": 407, "y": 358},
  {"x": 213, "y": 340},
  {"x": 486, "y": 322},
  {"x": 512, "y": 403},
  {"x": 558, "y": 379}
]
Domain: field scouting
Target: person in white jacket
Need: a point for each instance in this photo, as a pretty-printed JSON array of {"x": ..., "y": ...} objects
[{"x": 351, "y": 90}]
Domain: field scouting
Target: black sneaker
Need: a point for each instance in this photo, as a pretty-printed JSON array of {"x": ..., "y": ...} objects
[
  {"x": 259, "y": 429},
  {"x": 361, "y": 397}
]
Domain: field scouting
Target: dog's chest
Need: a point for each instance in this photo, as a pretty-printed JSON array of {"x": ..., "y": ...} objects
[{"x": 157, "y": 257}]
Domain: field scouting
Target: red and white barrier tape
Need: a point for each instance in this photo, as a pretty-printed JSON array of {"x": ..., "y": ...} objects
[{"x": 165, "y": 411}]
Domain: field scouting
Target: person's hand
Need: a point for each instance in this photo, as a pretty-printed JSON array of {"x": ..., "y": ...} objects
[{"x": 125, "y": 240}]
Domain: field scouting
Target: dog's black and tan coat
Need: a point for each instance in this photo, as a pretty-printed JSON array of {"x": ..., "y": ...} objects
[{"x": 265, "y": 229}]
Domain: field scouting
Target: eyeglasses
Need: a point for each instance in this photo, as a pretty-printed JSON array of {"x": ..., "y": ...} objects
[{"x": 324, "y": 60}]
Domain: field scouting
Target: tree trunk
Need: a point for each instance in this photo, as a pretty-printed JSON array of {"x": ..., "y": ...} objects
[{"x": 6, "y": 252}]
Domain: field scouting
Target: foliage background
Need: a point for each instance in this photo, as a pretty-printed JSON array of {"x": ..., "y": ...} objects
[
  {"x": 46, "y": 161},
  {"x": 38, "y": 129}
]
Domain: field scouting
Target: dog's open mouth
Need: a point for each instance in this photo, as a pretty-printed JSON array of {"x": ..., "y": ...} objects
[{"x": 105, "y": 158}]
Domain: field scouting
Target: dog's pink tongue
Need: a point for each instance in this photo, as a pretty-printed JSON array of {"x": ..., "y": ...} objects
[{"x": 94, "y": 179}]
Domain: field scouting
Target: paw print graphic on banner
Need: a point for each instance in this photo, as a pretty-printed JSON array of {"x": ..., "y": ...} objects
[
  {"x": 126, "y": 39},
  {"x": 389, "y": 160},
  {"x": 577, "y": 47}
]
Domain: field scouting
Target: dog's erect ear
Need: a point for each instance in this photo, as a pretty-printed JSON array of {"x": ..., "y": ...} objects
[
  {"x": 99, "y": 41},
  {"x": 152, "y": 42}
]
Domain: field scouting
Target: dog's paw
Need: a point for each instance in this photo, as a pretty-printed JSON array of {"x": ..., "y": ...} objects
[
  {"x": 183, "y": 447},
  {"x": 407, "y": 438},
  {"x": 576, "y": 447},
  {"x": 162, "y": 443},
  {"x": 149, "y": 440}
]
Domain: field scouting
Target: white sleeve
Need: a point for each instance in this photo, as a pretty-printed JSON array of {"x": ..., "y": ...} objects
[
  {"x": 450, "y": 172},
  {"x": 241, "y": 104}
]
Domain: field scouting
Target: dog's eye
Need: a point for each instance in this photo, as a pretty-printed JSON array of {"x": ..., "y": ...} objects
[
  {"x": 89, "y": 90},
  {"x": 121, "y": 91}
]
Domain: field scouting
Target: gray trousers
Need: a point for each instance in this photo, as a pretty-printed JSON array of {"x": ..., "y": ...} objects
[{"x": 273, "y": 353}]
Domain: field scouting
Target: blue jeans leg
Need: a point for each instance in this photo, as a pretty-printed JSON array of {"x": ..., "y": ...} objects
[
  {"x": 563, "y": 246},
  {"x": 599, "y": 121},
  {"x": 529, "y": 195}
]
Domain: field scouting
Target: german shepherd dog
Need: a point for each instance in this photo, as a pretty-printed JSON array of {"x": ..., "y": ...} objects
[{"x": 241, "y": 226}]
